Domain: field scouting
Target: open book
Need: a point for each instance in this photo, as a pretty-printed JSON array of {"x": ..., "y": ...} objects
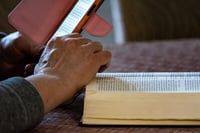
[
  {"x": 165, "y": 98},
  {"x": 40, "y": 20}
]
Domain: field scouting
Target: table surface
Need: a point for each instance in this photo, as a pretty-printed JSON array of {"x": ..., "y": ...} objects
[{"x": 154, "y": 56}]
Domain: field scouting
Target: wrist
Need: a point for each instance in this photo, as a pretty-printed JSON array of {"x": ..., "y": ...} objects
[{"x": 52, "y": 91}]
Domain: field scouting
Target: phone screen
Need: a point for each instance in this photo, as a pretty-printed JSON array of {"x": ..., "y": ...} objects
[{"x": 74, "y": 17}]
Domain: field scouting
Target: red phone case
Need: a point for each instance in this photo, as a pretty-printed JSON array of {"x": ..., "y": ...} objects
[{"x": 38, "y": 19}]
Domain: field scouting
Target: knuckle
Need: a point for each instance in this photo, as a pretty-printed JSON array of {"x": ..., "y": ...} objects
[
  {"x": 54, "y": 41},
  {"x": 74, "y": 34},
  {"x": 108, "y": 54},
  {"x": 98, "y": 44}
]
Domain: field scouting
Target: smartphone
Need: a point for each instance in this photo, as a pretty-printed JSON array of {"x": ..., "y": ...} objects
[
  {"x": 40, "y": 20},
  {"x": 78, "y": 16}
]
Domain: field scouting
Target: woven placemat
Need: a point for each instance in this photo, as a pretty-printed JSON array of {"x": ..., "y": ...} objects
[{"x": 169, "y": 56}]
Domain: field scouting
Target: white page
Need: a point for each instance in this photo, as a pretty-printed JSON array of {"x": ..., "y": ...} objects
[{"x": 149, "y": 82}]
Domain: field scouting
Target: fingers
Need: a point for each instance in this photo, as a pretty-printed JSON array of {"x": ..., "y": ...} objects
[
  {"x": 93, "y": 47},
  {"x": 88, "y": 49},
  {"x": 72, "y": 35},
  {"x": 101, "y": 60},
  {"x": 103, "y": 67},
  {"x": 69, "y": 39},
  {"x": 77, "y": 38},
  {"x": 81, "y": 41},
  {"x": 103, "y": 57}
]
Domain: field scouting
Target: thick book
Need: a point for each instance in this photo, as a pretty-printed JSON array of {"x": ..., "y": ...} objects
[
  {"x": 40, "y": 20},
  {"x": 150, "y": 98}
]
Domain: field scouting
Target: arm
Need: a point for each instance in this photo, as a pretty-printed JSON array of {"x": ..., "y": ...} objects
[
  {"x": 67, "y": 64},
  {"x": 21, "y": 106}
]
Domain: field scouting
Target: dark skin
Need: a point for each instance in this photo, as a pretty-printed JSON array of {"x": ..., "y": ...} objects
[{"x": 18, "y": 56}]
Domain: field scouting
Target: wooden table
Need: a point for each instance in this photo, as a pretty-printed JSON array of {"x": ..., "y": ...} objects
[{"x": 155, "y": 56}]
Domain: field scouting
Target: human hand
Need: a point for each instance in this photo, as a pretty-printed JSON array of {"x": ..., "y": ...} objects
[
  {"x": 67, "y": 64},
  {"x": 18, "y": 56}
]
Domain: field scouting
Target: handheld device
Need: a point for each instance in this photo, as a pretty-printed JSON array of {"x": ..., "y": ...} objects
[{"x": 39, "y": 20}]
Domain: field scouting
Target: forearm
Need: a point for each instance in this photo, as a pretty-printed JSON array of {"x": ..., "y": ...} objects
[{"x": 52, "y": 91}]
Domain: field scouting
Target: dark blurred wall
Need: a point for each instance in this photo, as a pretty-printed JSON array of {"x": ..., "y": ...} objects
[
  {"x": 160, "y": 19},
  {"x": 5, "y": 7}
]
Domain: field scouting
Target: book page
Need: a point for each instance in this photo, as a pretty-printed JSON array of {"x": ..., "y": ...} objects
[
  {"x": 74, "y": 17},
  {"x": 128, "y": 98},
  {"x": 149, "y": 82}
]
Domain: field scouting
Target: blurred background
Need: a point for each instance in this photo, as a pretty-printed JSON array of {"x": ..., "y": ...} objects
[
  {"x": 147, "y": 20},
  {"x": 111, "y": 11},
  {"x": 138, "y": 20}
]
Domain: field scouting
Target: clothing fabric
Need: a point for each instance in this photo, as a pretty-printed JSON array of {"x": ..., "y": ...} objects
[{"x": 21, "y": 106}]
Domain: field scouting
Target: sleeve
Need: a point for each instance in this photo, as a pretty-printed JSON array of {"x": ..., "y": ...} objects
[{"x": 21, "y": 107}]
